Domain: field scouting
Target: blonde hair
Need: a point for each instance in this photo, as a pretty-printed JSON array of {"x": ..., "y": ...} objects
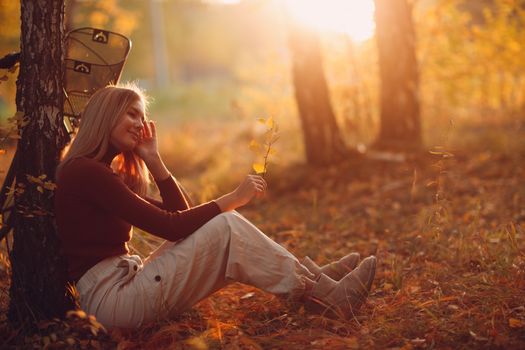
[{"x": 101, "y": 114}]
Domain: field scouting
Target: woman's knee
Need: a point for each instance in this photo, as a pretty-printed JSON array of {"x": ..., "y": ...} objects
[
  {"x": 229, "y": 217},
  {"x": 232, "y": 223},
  {"x": 223, "y": 222}
]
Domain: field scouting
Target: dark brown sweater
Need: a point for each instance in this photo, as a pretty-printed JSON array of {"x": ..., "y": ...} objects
[{"x": 95, "y": 211}]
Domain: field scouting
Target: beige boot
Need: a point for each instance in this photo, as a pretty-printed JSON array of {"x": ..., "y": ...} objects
[
  {"x": 335, "y": 270},
  {"x": 342, "y": 299}
]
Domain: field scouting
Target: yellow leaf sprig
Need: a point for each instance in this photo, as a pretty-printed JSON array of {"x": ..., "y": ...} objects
[{"x": 266, "y": 149}]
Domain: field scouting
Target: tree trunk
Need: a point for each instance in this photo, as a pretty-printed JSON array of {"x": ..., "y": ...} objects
[
  {"x": 400, "y": 111},
  {"x": 38, "y": 283},
  {"x": 322, "y": 138}
]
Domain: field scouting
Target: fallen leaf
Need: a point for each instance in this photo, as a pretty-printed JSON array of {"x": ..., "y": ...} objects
[
  {"x": 248, "y": 295},
  {"x": 516, "y": 323},
  {"x": 418, "y": 341},
  {"x": 197, "y": 343}
]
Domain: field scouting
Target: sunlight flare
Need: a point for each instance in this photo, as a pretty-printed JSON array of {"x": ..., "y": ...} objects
[
  {"x": 223, "y": 2},
  {"x": 352, "y": 17}
]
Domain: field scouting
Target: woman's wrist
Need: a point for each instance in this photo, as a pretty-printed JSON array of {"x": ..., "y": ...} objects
[
  {"x": 227, "y": 202},
  {"x": 156, "y": 167}
]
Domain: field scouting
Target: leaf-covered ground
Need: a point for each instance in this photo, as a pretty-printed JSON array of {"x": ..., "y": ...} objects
[{"x": 448, "y": 234}]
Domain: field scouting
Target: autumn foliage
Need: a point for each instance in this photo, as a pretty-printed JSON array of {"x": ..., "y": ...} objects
[{"x": 447, "y": 223}]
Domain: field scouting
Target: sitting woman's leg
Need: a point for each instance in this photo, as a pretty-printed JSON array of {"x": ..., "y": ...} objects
[
  {"x": 123, "y": 292},
  {"x": 175, "y": 277},
  {"x": 228, "y": 248}
]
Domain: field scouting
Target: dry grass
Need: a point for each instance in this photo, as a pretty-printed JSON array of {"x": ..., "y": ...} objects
[{"x": 451, "y": 270}]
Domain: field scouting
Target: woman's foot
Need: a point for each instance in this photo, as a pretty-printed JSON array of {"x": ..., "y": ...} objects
[
  {"x": 342, "y": 299},
  {"x": 335, "y": 270}
]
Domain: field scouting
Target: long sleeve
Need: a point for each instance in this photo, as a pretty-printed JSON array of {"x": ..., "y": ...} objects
[
  {"x": 98, "y": 184},
  {"x": 173, "y": 197}
]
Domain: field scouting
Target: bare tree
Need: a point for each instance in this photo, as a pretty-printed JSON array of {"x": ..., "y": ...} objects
[
  {"x": 38, "y": 283},
  {"x": 322, "y": 138},
  {"x": 400, "y": 110}
]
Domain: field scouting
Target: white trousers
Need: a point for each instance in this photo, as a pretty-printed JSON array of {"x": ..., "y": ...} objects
[{"x": 123, "y": 291}]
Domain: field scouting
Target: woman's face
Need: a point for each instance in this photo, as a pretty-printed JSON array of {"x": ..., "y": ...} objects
[{"x": 126, "y": 135}]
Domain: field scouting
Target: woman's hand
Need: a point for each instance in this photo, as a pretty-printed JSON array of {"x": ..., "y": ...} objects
[
  {"x": 148, "y": 150},
  {"x": 147, "y": 147},
  {"x": 251, "y": 186}
]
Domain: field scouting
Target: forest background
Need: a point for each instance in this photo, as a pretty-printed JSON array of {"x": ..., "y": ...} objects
[{"x": 447, "y": 227}]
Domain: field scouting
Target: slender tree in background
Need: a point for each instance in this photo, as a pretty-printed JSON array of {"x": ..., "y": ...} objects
[
  {"x": 322, "y": 138},
  {"x": 400, "y": 111},
  {"x": 38, "y": 283}
]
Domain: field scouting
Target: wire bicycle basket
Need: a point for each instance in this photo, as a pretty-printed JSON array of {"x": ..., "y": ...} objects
[{"x": 94, "y": 59}]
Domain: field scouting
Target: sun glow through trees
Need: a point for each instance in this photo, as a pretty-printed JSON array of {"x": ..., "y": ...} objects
[{"x": 352, "y": 17}]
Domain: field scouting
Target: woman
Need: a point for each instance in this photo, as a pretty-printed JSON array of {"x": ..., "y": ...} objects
[{"x": 207, "y": 246}]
